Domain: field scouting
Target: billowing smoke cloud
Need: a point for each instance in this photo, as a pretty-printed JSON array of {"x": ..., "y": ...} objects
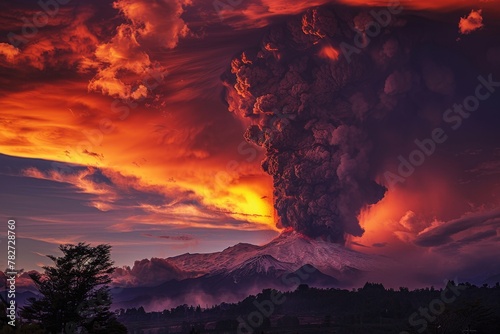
[
  {"x": 316, "y": 147},
  {"x": 334, "y": 96}
]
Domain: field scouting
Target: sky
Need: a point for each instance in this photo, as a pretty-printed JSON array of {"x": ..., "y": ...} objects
[{"x": 124, "y": 122}]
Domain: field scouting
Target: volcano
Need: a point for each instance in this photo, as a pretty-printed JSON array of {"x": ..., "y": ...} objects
[
  {"x": 291, "y": 248},
  {"x": 238, "y": 271}
]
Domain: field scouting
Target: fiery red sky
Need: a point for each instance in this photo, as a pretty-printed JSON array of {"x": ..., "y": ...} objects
[{"x": 115, "y": 129}]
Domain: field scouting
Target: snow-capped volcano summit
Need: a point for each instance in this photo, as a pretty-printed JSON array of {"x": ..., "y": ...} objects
[
  {"x": 291, "y": 248},
  {"x": 283, "y": 263},
  {"x": 296, "y": 248},
  {"x": 263, "y": 264}
]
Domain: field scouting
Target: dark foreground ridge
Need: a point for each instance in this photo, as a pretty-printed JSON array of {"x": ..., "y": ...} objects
[{"x": 462, "y": 308}]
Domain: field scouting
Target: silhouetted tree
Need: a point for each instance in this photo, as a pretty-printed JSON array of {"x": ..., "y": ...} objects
[
  {"x": 303, "y": 288},
  {"x": 75, "y": 293}
]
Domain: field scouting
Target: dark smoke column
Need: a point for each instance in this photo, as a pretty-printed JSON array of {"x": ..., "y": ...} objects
[{"x": 302, "y": 97}]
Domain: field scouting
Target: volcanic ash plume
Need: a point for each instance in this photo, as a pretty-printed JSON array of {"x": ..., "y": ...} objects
[{"x": 302, "y": 98}]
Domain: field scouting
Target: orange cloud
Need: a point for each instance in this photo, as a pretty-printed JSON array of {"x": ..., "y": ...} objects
[
  {"x": 9, "y": 52},
  {"x": 472, "y": 22},
  {"x": 79, "y": 179},
  {"x": 157, "y": 21},
  {"x": 408, "y": 213},
  {"x": 123, "y": 62},
  {"x": 122, "y": 53},
  {"x": 73, "y": 42},
  {"x": 172, "y": 152}
]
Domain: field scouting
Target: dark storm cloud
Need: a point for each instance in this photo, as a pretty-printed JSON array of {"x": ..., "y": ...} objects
[
  {"x": 171, "y": 237},
  {"x": 79, "y": 189},
  {"x": 443, "y": 233},
  {"x": 51, "y": 38},
  {"x": 476, "y": 237},
  {"x": 331, "y": 125},
  {"x": 98, "y": 177},
  {"x": 98, "y": 156}
]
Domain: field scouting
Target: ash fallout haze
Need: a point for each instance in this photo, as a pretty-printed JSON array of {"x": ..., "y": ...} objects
[{"x": 226, "y": 147}]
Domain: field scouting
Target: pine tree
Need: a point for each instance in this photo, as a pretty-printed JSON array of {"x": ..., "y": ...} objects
[{"x": 75, "y": 295}]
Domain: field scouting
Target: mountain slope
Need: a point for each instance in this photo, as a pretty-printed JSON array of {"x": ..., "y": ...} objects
[
  {"x": 250, "y": 277},
  {"x": 290, "y": 247},
  {"x": 243, "y": 269}
]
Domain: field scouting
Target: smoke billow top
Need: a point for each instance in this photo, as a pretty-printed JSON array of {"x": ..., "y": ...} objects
[{"x": 312, "y": 91}]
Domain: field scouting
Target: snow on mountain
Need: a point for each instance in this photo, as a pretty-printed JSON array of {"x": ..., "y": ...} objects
[
  {"x": 262, "y": 264},
  {"x": 225, "y": 285},
  {"x": 284, "y": 263},
  {"x": 324, "y": 255},
  {"x": 289, "y": 251},
  {"x": 211, "y": 262}
]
